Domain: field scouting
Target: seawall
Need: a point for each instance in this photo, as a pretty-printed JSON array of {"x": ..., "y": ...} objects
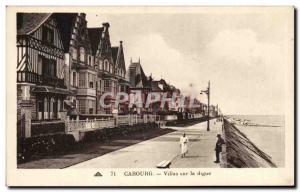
[{"x": 240, "y": 152}]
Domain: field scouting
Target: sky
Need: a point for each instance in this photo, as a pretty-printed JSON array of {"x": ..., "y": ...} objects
[{"x": 243, "y": 54}]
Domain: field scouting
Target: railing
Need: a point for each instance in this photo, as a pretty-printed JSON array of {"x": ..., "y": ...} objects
[
  {"x": 170, "y": 117},
  {"x": 198, "y": 115},
  {"x": 84, "y": 125},
  {"x": 53, "y": 81},
  {"x": 94, "y": 124},
  {"x": 30, "y": 77},
  {"x": 124, "y": 120}
]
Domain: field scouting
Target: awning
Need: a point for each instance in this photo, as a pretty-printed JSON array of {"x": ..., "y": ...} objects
[
  {"x": 122, "y": 81},
  {"x": 44, "y": 89},
  {"x": 69, "y": 103}
]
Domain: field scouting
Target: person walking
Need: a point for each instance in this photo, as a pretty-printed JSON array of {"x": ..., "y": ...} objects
[
  {"x": 218, "y": 147},
  {"x": 183, "y": 144}
]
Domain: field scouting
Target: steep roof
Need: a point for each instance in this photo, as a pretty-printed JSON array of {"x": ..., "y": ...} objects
[
  {"x": 118, "y": 56},
  {"x": 65, "y": 22},
  {"x": 95, "y": 35},
  {"x": 114, "y": 52},
  {"x": 155, "y": 87},
  {"x": 166, "y": 86},
  {"x": 140, "y": 79},
  {"x": 29, "y": 22},
  {"x": 144, "y": 78}
]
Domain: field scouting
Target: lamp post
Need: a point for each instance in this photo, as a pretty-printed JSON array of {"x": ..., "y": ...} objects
[{"x": 207, "y": 92}]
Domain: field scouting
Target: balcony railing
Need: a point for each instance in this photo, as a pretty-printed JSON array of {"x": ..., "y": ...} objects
[{"x": 30, "y": 77}]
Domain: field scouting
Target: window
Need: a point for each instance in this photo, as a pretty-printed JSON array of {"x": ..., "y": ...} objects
[
  {"x": 81, "y": 106},
  {"x": 61, "y": 105},
  {"x": 48, "y": 35},
  {"x": 74, "y": 79},
  {"x": 91, "y": 80},
  {"x": 40, "y": 105},
  {"x": 74, "y": 54},
  {"x": 90, "y": 60},
  {"x": 40, "y": 64},
  {"x": 99, "y": 87},
  {"x": 49, "y": 67},
  {"x": 105, "y": 65},
  {"x": 122, "y": 88},
  {"x": 106, "y": 85},
  {"x": 82, "y": 80},
  {"x": 82, "y": 54},
  {"x": 113, "y": 84},
  {"x": 91, "y": 104}
]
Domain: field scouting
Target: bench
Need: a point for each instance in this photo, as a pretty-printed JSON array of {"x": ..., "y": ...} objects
[{"x": 164, "y": 164}]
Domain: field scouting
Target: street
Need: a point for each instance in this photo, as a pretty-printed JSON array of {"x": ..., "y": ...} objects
[{"x": 149, "y": 153}]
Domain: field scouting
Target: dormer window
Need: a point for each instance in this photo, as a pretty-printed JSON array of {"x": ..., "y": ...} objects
[
  {"x": 48, "y": 35},
  {"x": 106, "y": 67}
]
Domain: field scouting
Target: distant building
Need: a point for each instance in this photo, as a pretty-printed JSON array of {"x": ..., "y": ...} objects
[
  {"x": 172, "y": 94},
  {"x": 139, "y": 84}
]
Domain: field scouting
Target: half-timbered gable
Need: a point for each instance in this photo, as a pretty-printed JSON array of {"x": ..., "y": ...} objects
[{"x": 39, "y": 49}]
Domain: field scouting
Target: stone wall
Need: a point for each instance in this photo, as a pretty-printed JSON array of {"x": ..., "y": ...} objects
[{"x": 241, "y": 152}]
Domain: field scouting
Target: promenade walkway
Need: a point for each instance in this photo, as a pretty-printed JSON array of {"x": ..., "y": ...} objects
[{"x": 149, "y": 153}]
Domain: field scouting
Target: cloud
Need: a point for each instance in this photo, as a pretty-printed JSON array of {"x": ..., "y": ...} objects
[
  {"x": 241, "y": 68},
  {"x": 163, "y": 61},
  {"x": 245, "y": 70},
  {"x": 241, "y": 54}
]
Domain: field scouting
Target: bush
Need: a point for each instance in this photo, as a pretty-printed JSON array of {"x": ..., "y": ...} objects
[{"x": 43, "y": 145}]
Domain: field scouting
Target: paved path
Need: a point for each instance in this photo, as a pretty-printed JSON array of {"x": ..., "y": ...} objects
[{"x": 166, "y": 147}]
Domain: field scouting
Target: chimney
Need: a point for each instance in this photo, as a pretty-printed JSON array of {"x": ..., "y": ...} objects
[
  {"x": 105, "y": 25},
  {"x": 82, "y": 15}
]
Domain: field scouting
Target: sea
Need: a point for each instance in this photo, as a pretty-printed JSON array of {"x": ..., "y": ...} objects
[{"x": 267, "y": 132}]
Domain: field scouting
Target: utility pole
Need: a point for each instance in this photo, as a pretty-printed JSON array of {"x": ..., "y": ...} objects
[{"x": 207, "y": 92}]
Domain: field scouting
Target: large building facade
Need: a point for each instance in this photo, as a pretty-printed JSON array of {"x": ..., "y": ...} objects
[
  {"x": 111, "y": 71},
  {"x": 79, "y": 61},
  {"x": 93, "y": 66}
]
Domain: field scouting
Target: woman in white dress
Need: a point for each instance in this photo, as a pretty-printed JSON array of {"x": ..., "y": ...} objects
[{"x": 184, "y": 145}]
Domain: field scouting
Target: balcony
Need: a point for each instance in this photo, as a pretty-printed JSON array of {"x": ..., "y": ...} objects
[{"x": 30, "y": 77}]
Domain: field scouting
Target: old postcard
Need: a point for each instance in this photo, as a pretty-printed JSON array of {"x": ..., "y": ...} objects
[{"x": 150, "y": 96}]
